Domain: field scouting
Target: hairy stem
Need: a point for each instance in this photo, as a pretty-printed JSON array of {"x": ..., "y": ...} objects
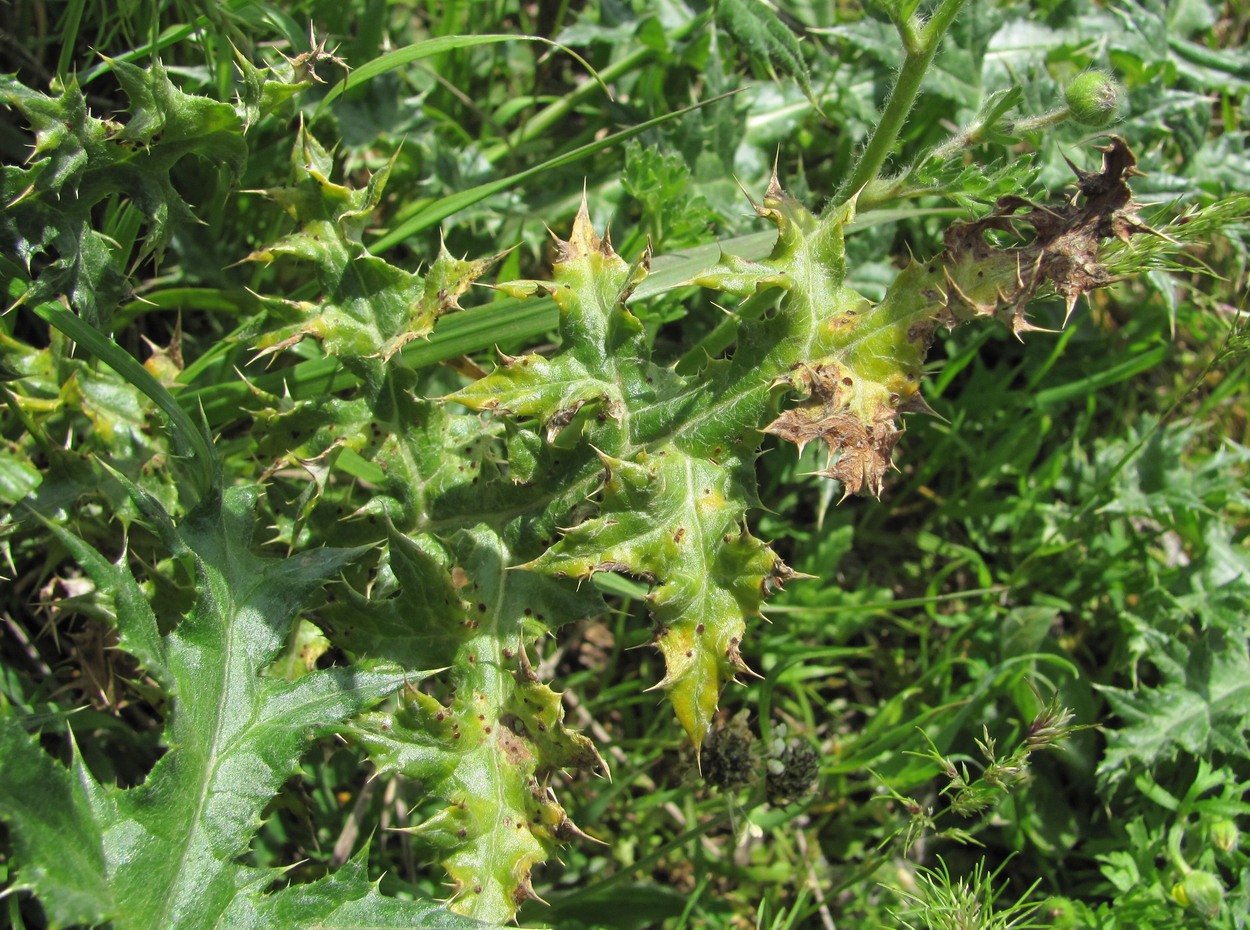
[{"x": 921, "y": 42}]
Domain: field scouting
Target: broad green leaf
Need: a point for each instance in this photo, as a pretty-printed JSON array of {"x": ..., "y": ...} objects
[
  {"x": 54, "y": 816},
  {"x": 165, "y": 853},
  {"x": 1200, "y": 706}
]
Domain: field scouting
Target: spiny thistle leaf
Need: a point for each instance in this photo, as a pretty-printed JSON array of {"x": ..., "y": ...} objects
[
  {"x": 492, "y": 748},
  {"x": 165, "y": 854},
  {"x": 855, "y": 366},
  {"x": 370, "y": 309},
  {"x": 605, "y": 358},
  {"x": 343, "y": 900},
  {"x": 670, "y": 516},
  {"x": 984, "y": 280},
  {"x": 61, "y": 397},
  {"x": 673, "y": 519},
  {"x": 677, "y": 452},
  {"x": 78, "y": 160}
]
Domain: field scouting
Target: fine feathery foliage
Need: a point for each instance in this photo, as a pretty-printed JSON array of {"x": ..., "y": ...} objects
[{"x": 294, "y": 533}]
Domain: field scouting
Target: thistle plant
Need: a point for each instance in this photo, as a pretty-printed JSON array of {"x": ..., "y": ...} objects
[{"x": 471, "y": 507}]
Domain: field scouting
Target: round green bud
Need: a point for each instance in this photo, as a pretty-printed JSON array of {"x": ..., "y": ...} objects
[
  {"x": 1061, "y": 913},
  {"x": 1093, "y": 99},
  {"x": 1200, "y": 890},
  {"x": 1223, "y": 834}
]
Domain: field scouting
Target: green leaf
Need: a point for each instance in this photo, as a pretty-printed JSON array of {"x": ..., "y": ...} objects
[
  {"x": 769, "y": 42},
  {"x": 79, "y": 160},
  {"x": 1200, "y": 706},
  {"x": 603, "y": 365},
  {"x": 53, "y": 813},
  {"x": 428, "y": 48},
  {"x": 165, "y": 853},
  {"x": 491, "y": 747},
  {"x": 343, "y": 900},
  {"x": 370, "y": 308},
  {"x": 441, "y": 209},
  {"x": 188, "y": 439},
  {"x": 676, "y": 521}
]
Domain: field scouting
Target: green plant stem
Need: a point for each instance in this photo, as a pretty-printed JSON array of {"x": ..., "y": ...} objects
[
  {"x": 876, "y": 192},
  {"x": 921, "y": 42},
  {"x": 1043, "y": 121}
]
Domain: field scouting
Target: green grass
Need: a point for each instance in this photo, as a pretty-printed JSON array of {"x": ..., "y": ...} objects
[{"x": 1068, "y": 536}]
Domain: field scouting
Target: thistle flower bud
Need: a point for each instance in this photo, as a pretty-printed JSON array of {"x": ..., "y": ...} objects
[
  {"x": 1061, "y": 913},
  {"x": 1223, "y": 834},
  {"x": 1094, "y": 99},
  {"x": 1200, "y": 890}
]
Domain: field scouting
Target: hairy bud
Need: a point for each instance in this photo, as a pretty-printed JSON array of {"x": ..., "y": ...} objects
[{"x": 1094, "y": 99}]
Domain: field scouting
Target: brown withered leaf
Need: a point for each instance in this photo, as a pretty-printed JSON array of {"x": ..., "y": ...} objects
[
  {"x": 861, "y": 445},
  {"x": 1063, "y": 252}
]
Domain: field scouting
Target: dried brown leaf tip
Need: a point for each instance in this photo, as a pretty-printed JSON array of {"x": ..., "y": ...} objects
[
  {"x": 860, "y": 438},
  {"x": 992, "y": 281},
  {"x": 582, "y": 239}
]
